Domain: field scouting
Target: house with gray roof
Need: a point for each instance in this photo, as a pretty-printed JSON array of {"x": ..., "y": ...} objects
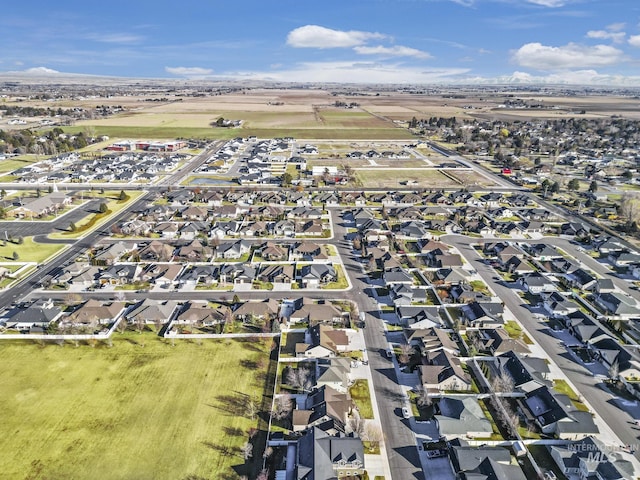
[
  {"x": 589, "y": 458},
  {"x": 37, "y": 315},
  {"x": 485, "y": 463},
  {"x": 462, "y": 416},
  {"x": 320, "y": 456}
]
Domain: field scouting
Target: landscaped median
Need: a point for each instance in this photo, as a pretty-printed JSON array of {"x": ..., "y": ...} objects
[{"x": 114, "y": 202}]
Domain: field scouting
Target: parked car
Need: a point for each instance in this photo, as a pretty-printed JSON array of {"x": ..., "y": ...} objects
[{"x": 406, "y": 413}]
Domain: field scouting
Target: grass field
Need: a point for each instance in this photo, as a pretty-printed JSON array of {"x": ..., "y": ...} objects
[
  {"x": 140, "y": 409},
  {"x": 29, "y": 251},
  {"x": 390, "y": 178}
]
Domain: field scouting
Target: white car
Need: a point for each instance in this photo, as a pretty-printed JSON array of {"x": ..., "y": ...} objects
[{"x": 406, "y": 413}]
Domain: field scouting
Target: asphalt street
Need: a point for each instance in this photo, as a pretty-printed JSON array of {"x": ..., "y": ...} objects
[{"x": 588, "y": 386}]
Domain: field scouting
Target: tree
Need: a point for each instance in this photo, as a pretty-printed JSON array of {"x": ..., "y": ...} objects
[
  {"x": 251, "y": 407},
  {"x": 502, "y": 382},
  {"x": 423, "y": 399},
  {"x": 593, "y": 187},
  {"x": 15, "y": 256},
  {"x": 356, "y": 424},
  {"x": 573, "y": 185},
  {"x": 629, "y": 207},
  {"x": 72, "y": 299},
  {"x": 123, "y": 196},
  {"x": 373, "y": 434},
  {"x": 247, "y": 450},
  {"x": 103, "y": 208},
  {"x": 72, "y": 227},
  {"x": 282, "y": 406},
  {"x": 406, "y": 351},
  {"x": 263, "y": 475},
  {"x": 614, "y": 371},
  {"x": 286, "y": 179},
  {"x": 299, "y": 378}
]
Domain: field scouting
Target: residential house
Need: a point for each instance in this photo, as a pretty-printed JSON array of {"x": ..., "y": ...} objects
[
  {"x": 334, "y": 372},
  {"x": 151, "y": 312},
  {"x": 323, "y": 340},
  {"x": 475, "y": 463},
  {"x": 316, "y": 275},
  {"x": 314, "y": 313},
  {"x": 442, "y": 371},
  {"x": 590, "y": 458},
  {"x": 461, "y": 416},
  {"x": 321, "y": 456},
  {"x": 36, "y": 316},
  {"x": 536, "y": 283},
  {"x": 93, "y": 313}
]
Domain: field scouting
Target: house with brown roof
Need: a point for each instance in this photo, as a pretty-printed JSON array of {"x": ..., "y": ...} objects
[
  {"x": 93, "y": 313},
  {"x": 325, "y": 341},
  {"x": 443, "y": 371}
]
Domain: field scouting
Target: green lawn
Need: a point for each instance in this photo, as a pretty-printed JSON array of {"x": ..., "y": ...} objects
[
  {"x": 563, "y": 387},
  {"x": 93, "y": 221},
  {"x": 140, "y": 409},
  {"x": 360, "y": 394},
  {"x": 28, "y": 251}
]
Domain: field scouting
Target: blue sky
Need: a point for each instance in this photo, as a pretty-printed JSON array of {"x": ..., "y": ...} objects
[{"x": 373, "y": 41}]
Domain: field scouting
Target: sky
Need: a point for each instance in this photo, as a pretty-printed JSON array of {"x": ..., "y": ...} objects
[{"x": 412, "y": 42}]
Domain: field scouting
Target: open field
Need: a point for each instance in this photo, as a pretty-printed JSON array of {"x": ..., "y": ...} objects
[
  {"x": 140, "y": 409},
  {"x": 392, "y": 178},
  {"x": 29, "y": 251}
]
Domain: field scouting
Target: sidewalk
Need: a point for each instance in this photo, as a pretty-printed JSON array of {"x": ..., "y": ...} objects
[
  {"x": 374, "y": 464},
  {"x": 606, "y": 435}
]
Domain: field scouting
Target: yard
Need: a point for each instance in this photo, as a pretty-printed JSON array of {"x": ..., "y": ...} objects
[
  {"x": 140, "y": 409},
  {"x": 563, "y": 387},
  {"x": 28, "y": 250},
  {"x": 362, "y": 398}
]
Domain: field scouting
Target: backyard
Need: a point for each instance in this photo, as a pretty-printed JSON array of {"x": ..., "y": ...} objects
[{"x": 143, "y": 408}]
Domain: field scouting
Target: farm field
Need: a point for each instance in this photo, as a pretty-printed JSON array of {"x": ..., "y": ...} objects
[{"x": 140, "y": 409}]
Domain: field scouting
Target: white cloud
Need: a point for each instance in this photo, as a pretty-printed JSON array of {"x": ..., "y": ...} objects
[
  {"x": 548, "y": 3},
  {"x": 354, "y": 72},
  {"x": 115, "y": 38},
  {"x": 315, "y": 36},
  {"x": 41, "y": 71},
  {"x": 574, "y": 77},
  {"x": 616, "y": 27},
  {"x": 616, "y": 37},
  {"x": 188, "y": 71},
  {"x": 394, "y": 51},
  {"x": 634, "y": 41},
  {"x": 543, "y": 57}
]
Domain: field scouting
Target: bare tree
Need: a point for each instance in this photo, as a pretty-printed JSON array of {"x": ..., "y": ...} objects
[
  {"x": 630, "y": 206},
  {"x": 267, "y": 452},
  {"x": 282, "y": 406},
  {"x": 423, "y": 399},
  {"x": 299, "y": 378},
  {"x": 247, "y": 450},
  {"x": 372, "y": 433},
  {"x": 71, "y": 299},
  {"x": 502, "y": 382},
  {"x": 251, "y": 408},
  {"x": 613, "y": 372},
  {"x": 263, "y": 475},
  {"x": 406, "y": 351},
  {"x": 356, "y": 424}
]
